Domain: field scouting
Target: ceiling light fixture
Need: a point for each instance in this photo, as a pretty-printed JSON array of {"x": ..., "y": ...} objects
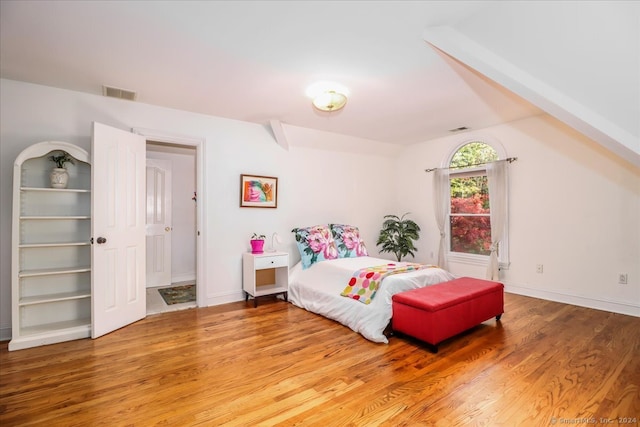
[
  {"x": 328, "y": 96},
  {"x": 330, "y": 101}
]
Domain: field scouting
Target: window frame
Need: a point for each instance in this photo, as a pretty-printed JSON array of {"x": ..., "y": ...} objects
[{"x": 476, "y": 259}]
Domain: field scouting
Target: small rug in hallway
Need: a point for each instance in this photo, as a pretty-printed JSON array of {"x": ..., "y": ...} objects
[{"x": 178, "y": 294}]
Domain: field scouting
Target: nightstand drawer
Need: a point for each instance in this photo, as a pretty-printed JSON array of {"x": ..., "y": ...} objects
[{"x": 271, "y": 262}]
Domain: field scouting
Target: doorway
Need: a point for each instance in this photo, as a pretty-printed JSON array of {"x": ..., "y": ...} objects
[
  {"x": 186, "y": 157},
  {"x": 171, "y": 227}
]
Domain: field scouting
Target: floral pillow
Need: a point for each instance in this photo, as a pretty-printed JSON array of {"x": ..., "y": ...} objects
[
  {"x": 315, "y": 244},
  {"x": 348, "y": 241}
]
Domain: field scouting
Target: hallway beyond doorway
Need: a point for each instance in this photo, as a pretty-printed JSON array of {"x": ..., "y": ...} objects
[{"x": 156, "y": 305}]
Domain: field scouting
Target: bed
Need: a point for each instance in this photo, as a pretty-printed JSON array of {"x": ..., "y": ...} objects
[{"x": 318, "y": 288}]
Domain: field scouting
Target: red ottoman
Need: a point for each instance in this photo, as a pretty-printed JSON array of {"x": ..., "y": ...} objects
[{"x": 435, "y": 313}]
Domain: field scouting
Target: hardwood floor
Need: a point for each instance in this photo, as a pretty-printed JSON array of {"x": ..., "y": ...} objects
[{"x": 279, "y": 365}]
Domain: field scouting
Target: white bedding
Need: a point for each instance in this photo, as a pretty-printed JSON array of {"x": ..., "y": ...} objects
[{"x": 317, "y": 289}]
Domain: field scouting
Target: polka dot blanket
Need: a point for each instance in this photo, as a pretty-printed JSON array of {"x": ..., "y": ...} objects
[{"x": 365, "y": 282}]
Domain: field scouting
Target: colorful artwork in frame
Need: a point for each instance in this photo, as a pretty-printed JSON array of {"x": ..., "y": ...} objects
[{"x": 258, "y": 191}]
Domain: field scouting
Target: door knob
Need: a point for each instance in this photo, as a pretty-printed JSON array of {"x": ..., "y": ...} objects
[
  {"x": 167, "y": 229},
  {"x": 101, "y": 240}
]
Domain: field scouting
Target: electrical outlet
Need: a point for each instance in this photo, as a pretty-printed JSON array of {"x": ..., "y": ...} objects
[
  {"x": 539, "y": 269},
  {"x": 622, "y": 278}
]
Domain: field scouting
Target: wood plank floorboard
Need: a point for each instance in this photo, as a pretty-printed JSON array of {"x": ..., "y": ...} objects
[{"x": 278, "y": 365}]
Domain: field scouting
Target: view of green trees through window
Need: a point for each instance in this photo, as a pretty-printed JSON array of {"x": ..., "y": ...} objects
[{"x": 470, "y": 220}]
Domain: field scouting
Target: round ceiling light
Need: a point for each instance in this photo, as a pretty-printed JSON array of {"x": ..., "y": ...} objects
[
  {"x": 330, "y": 101},
  {"x": 328, "y": 95}
]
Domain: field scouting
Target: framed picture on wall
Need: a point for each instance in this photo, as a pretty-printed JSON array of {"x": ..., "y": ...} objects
[{"x": 258, "y": 191}]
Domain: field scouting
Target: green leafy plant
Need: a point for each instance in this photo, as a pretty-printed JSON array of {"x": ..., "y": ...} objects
[
  {"x": 397, "y": 236},
  {"x": 258, "y": 236},
  {"x": 61, "y": 159}
]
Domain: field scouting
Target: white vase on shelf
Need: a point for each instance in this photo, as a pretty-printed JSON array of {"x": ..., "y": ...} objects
[{"x": 59, "y": 178}]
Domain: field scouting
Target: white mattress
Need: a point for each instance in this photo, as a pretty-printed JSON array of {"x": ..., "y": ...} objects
[{"x": 317, "y": 289}]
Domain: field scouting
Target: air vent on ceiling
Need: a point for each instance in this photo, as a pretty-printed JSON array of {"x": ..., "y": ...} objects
[
  {"x": 115, "y": 92},
  {"x": 460, "y": 129}
]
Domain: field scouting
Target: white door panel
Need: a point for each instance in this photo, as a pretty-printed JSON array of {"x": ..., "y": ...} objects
[
  {"x": 118, "y": 229},
  {"x": 159, "y": 222}
]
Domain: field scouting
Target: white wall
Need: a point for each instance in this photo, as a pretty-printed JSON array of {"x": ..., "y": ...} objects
[
  {"x": 574, "y": 207},
  {"x": 316, "y": 185}
]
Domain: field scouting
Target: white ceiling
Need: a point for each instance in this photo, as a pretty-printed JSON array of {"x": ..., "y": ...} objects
[{"x": 252, "y": 61}]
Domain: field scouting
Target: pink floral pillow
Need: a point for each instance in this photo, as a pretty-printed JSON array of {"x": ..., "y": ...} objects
[
  {"x": 348, "y": 241},
  {"x": 315, "y": 244}
]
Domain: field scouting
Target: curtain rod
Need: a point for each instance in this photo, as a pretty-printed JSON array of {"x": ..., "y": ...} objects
[{"x": 508, "y": 159}]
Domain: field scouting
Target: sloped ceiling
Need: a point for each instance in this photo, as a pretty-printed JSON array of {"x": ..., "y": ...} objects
[
  {"x": 579, "y": 62},
  {"x": 253, "y": 61}
]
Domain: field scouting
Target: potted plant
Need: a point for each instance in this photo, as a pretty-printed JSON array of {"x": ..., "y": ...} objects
[
  {"x": 397, "y": 236},
  {"x": 59, "y": 175},
  {"x": 257, "y": 243}
]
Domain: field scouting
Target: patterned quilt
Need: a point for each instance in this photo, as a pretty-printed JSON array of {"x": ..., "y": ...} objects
[{"x": 365, "y": 282}]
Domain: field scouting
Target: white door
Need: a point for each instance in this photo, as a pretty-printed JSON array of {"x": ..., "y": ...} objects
[
  {"x": 118, "y": 229},
  {"x": 158, "y": 223}
]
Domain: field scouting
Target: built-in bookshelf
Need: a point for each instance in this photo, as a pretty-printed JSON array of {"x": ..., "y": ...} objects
[{"x": 51, "y": 265}]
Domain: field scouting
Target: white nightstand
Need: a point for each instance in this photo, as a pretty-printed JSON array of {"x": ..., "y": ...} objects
[{"x": 265, "y": 274}]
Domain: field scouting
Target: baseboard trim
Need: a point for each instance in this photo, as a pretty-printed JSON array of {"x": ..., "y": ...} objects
[
  {"x": 223, "y": 298},
  {"x": 582, "y": 301},
  {"x": 183, "y": 278}
]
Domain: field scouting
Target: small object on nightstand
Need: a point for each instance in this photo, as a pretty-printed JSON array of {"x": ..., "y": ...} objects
[
  {"x": 265, "y": 274},
  {"x": 275, "y": 238},
  {"x": 257, "y": 243}
]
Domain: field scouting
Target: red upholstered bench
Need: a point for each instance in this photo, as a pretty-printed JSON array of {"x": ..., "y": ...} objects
[{"x": 435, "y": 313}]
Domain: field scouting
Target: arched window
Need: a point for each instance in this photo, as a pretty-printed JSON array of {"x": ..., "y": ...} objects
[
  {"x": 469, "y": 213},
  {"x": 469, "y": 216}
]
